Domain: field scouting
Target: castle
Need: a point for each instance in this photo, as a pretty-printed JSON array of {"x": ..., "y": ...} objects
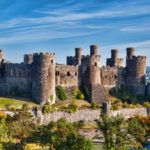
[{"x": 39, "y": 74}]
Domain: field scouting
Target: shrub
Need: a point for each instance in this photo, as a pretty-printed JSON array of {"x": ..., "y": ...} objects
[
  {"x": 32, "y": 146},
  {"x": 116, "y": 107},
  {"x": 72, "y": 108},
  {"x": 86, "y": 92},
  {"x": 2, "y": 114},
  {"x": 78, "y": 94},
  {"x": 126, "y": 105},
  {"x": 94, "y": 105},
  {"x": 25, "y": 107},
  {"x": 46, "y": 109},
  {"x": 79, "y": 124},
  {"x": 61, "y": 93},
  {"x": 146, "y": 104}
]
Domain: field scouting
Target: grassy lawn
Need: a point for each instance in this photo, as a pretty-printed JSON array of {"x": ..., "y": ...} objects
[
  {"x": 98, "y": 147},
  {"x": 15, "y": 102}
]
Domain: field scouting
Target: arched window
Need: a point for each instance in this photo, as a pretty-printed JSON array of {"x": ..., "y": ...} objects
[
  {"x": 52, "y": 61},
  {"x": 115, "y": 76},
  {"x": 75, "y": 73},
  {"x": 57, "y": 73},
  {"x": 68, "y": 73},
  {"x": 95, "y": 64}
]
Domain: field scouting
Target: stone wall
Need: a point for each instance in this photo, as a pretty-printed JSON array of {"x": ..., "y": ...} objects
[
  {"x": 15, "y": 78},
  {"x": 109, "y": 76},
  {"x": 131, "y": 112},
  {"x": 89, "y": 115},
  {"x": 67, "y": 76}
]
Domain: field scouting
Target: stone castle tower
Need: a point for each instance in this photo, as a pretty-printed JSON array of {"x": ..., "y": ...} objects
[
  {"x": 43, "y": 77},
  {"x": 135, "y": 72},
  {"x": 96, "y": 90},
  {"x": 114, "y": 61}
]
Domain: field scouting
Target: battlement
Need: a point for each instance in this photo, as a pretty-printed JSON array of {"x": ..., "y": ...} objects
[
  {"x": 41, "y": 54},
  {"x": 28, "y": 58},
  {"x": 139, "y": 59},
  {"x": 44, "y": 56}
]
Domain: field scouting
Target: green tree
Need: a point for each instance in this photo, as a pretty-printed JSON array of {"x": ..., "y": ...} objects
[
  {"x": 61, "y": 93},
  {"x": 115, "y": 132},
  {"x": 60, "y": 135},
  {"x": 137, "y": 132},
  {"x": 22, "y": 124}
]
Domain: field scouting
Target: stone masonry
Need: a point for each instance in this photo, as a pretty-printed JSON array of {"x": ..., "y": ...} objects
[{"x": 39, "y": 74}]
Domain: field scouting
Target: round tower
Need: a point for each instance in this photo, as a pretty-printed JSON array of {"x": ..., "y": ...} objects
[
  {"x": 94, "y": 65},
  {"x": 136, "y": 75},
  {"x": 114, "y": 54},
  {"x": 78, "y": 55},
  {"x": 43, "y": 78},
  {"x": 130, "y": 52},
  {"x": 1, "y": 55},
  {"x": 140, "y": 72},
  {"x": 93, "y": 50}
]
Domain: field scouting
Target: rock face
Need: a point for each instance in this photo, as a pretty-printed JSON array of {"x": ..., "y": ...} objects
[{"x": 38, "y": 75}]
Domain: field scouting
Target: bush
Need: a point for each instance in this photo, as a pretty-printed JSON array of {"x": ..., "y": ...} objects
[
  {"x": 79, "y": 124},
  {"x": 86, "y": 92},
  {"x": 32, "y": 146},
  {"x": 25, "y": 107},
  {"x": 146, "y": 104},
  {"x": 78, "y": 94},
  {"x": 72, "y": 108},
  {"x": 61, "y": 93},
  {"x": 2, "y": 114},
  {"x": 94, "y": 105},
  {"x": 116, "y": 107},
  {"x": 46, "y": 109}
]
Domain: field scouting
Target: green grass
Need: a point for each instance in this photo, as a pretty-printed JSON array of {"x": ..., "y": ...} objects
[
  {"x": 97, "y": 147},
  {"x": 15, "y": 102}
]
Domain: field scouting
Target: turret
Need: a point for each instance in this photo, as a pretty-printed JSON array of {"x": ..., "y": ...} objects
[
  {"x": 135, "y": 72},
  {"x": 1, "y": 55},
  {"x": 43, "y": 78},
  {"x": 114, "y": 54},
  {"x": 93, "y": 50},
  {"x": 130, "y": 52},
  {"x": 78, "y": 55},
  {"x": 114, "y": 61}
]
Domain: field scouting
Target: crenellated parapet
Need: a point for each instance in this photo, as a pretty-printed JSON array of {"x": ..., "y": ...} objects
[{"x": 28, "y": 58}]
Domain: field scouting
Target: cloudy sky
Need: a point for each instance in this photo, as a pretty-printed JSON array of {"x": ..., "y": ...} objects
[{"x": 28, "y": 26}]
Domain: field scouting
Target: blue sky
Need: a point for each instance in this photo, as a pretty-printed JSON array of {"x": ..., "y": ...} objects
[{"x": 28, "y": 26}]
